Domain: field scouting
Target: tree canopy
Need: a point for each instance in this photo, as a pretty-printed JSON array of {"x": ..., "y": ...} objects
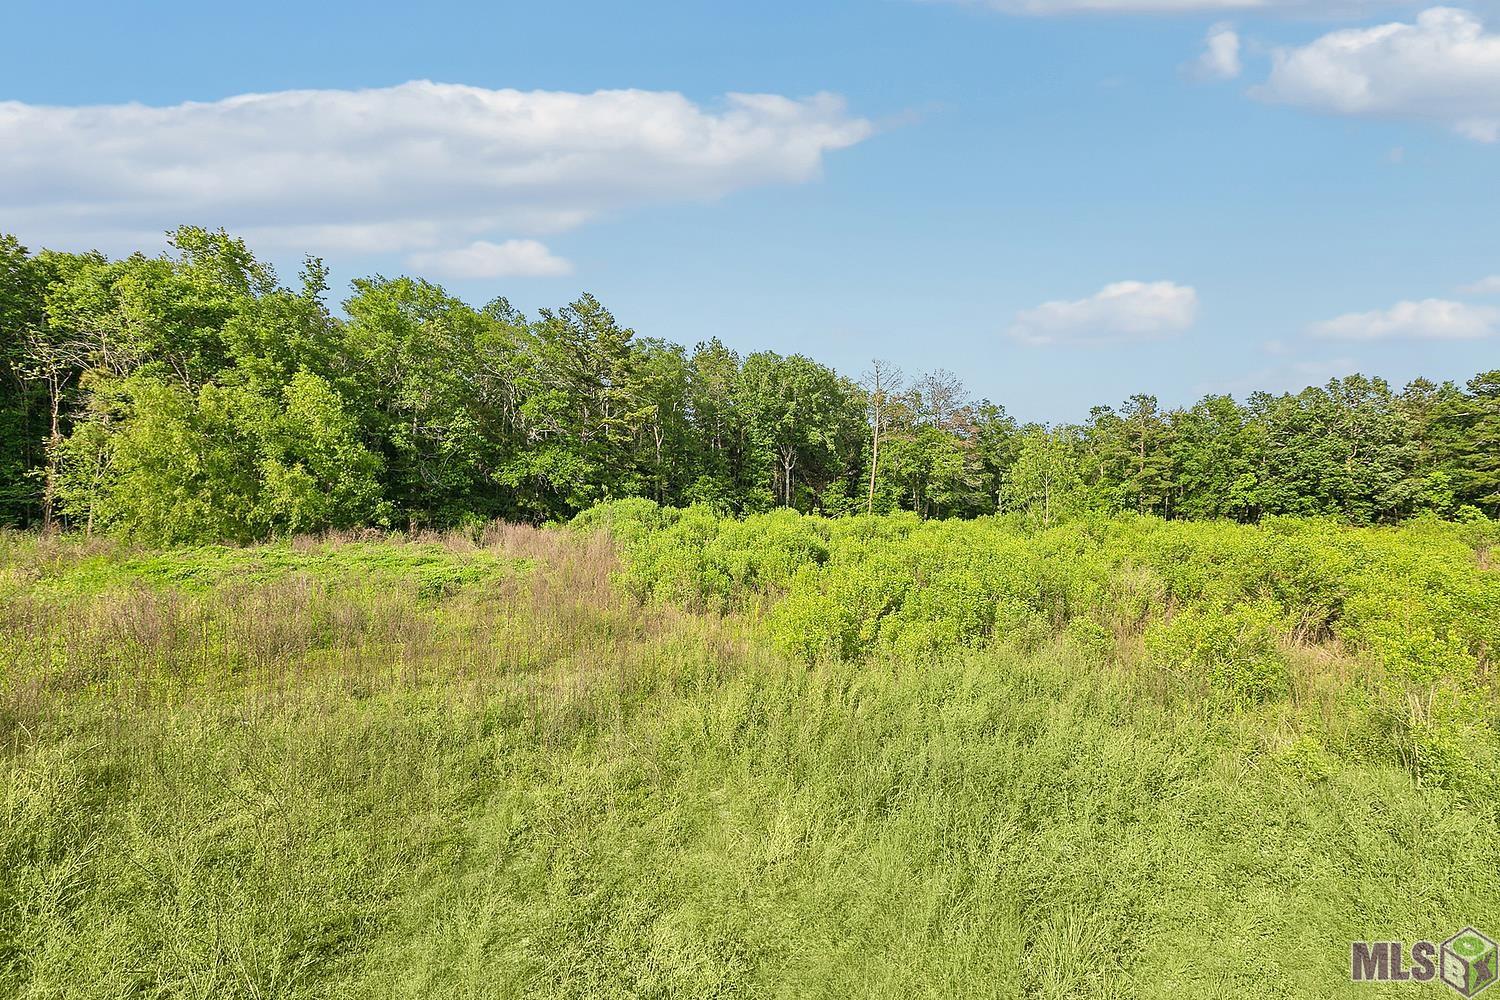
[{"x": 193, "y": 396}]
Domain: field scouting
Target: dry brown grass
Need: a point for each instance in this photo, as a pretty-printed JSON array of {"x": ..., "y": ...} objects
[{"x": 558, "y": 629}]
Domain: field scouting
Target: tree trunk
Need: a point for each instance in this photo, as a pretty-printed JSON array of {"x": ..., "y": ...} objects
[
  {"x": 656, "y": 433},
  {"x": 788, "y": 463},
  {"x": 54, "y": 441}
]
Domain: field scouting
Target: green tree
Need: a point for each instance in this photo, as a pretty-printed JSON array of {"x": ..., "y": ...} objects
[
  {"x": 725, "y": 467},
  {"x": 1130, "y": 462},
  {"x": 1213, "y": 460},
  {"x": 190, "y": 396},
  {"x": 809, "y": 418},
  {"x": 997, "y": 443},
  {"x": 22, "y": 427},
  {"x": 1470, "y": 453},
  {"x": 883, "y": 387},
  {"x": 410, "y": 367},
  {"x": 1044, "y": 483},
  {"x": 666, "y": 445},
  {"x": 582, "y": 411},
  {"x": 1341, "y": 449}
]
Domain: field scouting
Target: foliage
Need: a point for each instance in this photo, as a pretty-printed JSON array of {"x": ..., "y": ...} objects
[
  {"x": 1235, "y": 646},
  {"x": 193, "y": 397},
  {"x": 465, "y": 765},
  {"x": 1211, "y": 612}
]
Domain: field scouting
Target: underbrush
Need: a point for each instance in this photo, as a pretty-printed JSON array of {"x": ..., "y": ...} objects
[
  {"x": 1204, "y": 614},
  {"x": 668, "y": 754}
]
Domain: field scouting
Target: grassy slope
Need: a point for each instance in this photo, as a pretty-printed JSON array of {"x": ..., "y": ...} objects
[{"x": 361, "y": 769}]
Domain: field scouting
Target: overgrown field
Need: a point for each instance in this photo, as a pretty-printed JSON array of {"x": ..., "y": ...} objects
[{"x": 664, "y": 753}]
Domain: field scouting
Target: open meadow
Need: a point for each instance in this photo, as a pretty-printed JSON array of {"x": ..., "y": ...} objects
[
  {"x": 662, "y": 753},
  {"x": 909, "y": 500}
]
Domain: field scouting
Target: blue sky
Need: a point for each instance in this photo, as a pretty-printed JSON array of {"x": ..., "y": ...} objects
[{"x": 1063, "y": 207}]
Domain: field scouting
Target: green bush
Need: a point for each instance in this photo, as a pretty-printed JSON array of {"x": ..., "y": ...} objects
[
  {"x": 1213, "y": 602},
  {"x": 1235, "y": 649}
]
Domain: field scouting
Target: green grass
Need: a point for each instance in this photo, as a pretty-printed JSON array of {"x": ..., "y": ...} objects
[
  {"x": 536, "y": 785},
  {"x": 432, "y": 567}
]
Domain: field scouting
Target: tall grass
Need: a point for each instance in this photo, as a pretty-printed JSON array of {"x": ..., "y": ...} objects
[{"x": 476, "y": 765}]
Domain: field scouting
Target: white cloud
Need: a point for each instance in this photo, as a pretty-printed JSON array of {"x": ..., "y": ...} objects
[
  {"x": 1443, "y": 68},
  {"x": 483, "y": 259},
  {"x": 1315, "y": 8},
  {"x": 417, "y": 167},
  {"x": 1429, "y": 319},
  {"x": 1484, "y": 286},
  {"x": 1221, "y": 54},
  {"x": 1125, "y": 310}
]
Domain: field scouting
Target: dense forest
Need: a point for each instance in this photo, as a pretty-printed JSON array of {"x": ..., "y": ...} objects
[{"x": 194, "y": 396}]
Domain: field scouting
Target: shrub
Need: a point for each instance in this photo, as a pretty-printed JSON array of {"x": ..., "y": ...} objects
[
  {"x": 1214, "y": 601},
  {"x": 1235, "y": 649}
]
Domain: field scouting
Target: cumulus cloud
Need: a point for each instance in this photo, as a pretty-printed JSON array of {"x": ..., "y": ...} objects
[
  {"x": 1429, "y": 319},
  {"x": 1221, "y": 54},
  {"x": 1123, "y": 311},
  {"x": 1314, "y": 8},
  {"x": 420, "y": 167},
  {"x": 1443, "y": 68},
  {"x": 483, "y": 259},
  {"x": 1484, "y": 286}
]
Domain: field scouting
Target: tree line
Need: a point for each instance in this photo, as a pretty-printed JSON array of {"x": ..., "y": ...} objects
[{"x": 193, "y": 396}]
